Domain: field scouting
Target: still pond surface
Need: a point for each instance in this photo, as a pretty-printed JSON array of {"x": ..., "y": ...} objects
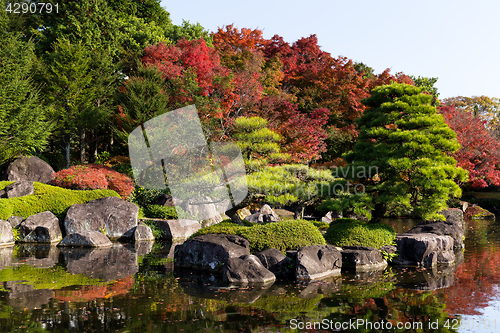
[{"x": 132, "y": 288}]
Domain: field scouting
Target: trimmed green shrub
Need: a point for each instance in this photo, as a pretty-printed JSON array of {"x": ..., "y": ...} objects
[
  {"x": 160, "y": 212},
  {"x": 352, "y": 232},
  {"x": 284, "y": 235},
  {"x": 158, "y": 233},
  {"x": 47, "y": 197}
]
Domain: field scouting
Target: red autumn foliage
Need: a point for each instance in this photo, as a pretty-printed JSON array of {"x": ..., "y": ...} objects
[
  {"x": 480, "y": 151},
  {"x": 90, "y": 293},
  {"x": 93, "y": 177}
]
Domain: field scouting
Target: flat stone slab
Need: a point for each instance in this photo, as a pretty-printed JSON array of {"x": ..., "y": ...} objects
[
  {"x": 317, "y": 261},
  {"x": 424, "y": 249},
  {"x": 86, "y": 238},
  {"x": 362, "y": 258}
]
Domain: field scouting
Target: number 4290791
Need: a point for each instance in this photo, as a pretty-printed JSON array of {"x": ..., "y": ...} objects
[{"x": 23, "y": 8}]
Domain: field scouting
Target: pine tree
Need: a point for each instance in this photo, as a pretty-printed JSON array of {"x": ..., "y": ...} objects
[
  {"x": 23, "y": 125},
  {"x": 403, "y": 137}
]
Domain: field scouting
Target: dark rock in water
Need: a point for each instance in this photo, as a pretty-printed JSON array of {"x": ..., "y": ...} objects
[
  {"x": 111, "y": 215},
  {"x": 317, "y": 262},
  {"x": 111, "y": 263},
  {"x": 6, "y": 234},
  {"x": 210, "y": 252},
  {"x": 424, "y": 249},
  {"x": 246, "y": 269},
  {"x": 37, "y": 255},
  {"x": 362, "y": 258},
  {"x": 24, "y": 296},
  {"x": 15, "y": 221},
  {"x": 279, "y": 264},
  {"x": 40, "y": 228},
  {"x": 31, "y": 169},
  {"x": 87, "y": 238},
  {"x": 140, "y": 233},
  {"x": 442, "y": 229},
  {"x": 212, "y": 286},
  {"x": 17, "y": 189},
  {"x": 177, "y": 230},
  {"x": 326, "y": 286},
  {"x": 435, "y": 277},
  {"x": 264, "y": 215}
]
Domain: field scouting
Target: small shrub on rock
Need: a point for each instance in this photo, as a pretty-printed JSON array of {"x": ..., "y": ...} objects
[
  {"x": 284, "y": 235},
  {"x": 352, "y": 232},
  {"x": 93, "y": 177}
]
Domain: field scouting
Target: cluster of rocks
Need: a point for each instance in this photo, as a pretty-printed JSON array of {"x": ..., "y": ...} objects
[{"x": 229, "y": 257}]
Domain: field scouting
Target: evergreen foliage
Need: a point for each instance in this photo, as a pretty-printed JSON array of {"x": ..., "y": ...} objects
[
  {"x": 402, "y": 136},
  {"x": 344, "y": 232},
  {"x": 24, "y": 127}
]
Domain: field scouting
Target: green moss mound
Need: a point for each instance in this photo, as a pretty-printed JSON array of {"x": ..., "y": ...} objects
[
  {"x": 284, "y": 235},
  {"x": 352, "y": 232},
  {"x": 160, "y": 212},
  {"x": 47, "y": 197}
]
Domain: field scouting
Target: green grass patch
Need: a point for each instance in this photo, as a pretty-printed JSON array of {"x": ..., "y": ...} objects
[
  {"x": 46, "y": 278},
  {"x": 47, "y": 198},
  {"x": 160, "y": 212},
  {"x": 352, "y": 232},
  {"x": 284, "y": 235}
]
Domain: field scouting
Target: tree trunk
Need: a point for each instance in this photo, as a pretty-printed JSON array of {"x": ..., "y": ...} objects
[
  {"x": 234, "y": 216},
  {"x": 378, "y": 212},
  {"x": 82, "y": 147},
  {"x": 66, "y": 148}
]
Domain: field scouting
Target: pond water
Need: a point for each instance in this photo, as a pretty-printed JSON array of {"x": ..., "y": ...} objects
[{"x": 132, "y": 288}]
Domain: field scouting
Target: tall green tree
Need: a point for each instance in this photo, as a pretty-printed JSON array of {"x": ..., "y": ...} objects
[
  {"x": 403, "y": 137},
  {"x": 428, "y": 84},
  {"x": 23, "y": 123}
]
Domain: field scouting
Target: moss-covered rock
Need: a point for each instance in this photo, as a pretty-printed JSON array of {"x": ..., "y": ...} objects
[
  {"x": 352, "y": 232},
  {"x": 284, "y": 235},
  {"x": 478, "y": 213},
  {"x": 47, "y": 198}
]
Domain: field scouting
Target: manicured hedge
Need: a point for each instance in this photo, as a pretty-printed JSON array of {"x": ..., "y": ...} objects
[
  {"x": 284, "y": 235},
  {"x": 352, "y": 232},
  {"x": 160, "y": 212},
  {"x": 47, "y": 197}
]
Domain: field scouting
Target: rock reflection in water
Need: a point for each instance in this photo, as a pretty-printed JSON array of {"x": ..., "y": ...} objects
[
  {"x": 37, "y": 255},
  {"x": 112, "y": 263},
  {"x": 430, "y": 278},
  {"x": 23, "y": 296}
]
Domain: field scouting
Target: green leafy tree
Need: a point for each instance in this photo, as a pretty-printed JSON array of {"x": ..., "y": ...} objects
[
  {"x": 427, "y": 83},
  {"x": 402, "y": 136},
  {"x": 259, "y": 145},
  {"x": 23, "y": 122}
]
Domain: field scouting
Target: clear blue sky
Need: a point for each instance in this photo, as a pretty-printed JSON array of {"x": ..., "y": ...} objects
[{"x": 454, "y": 40}]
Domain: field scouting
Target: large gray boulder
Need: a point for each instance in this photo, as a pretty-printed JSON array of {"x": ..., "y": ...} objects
[
  {"x": 279, "y": 264},
  {"x": 40, "y": 228},
  {"x": 441, "y": 229},
  {"x": 210, "y": 252},
  {"x": 17, "y": 189},
  {"x": 246, "y": 269},
  {"x": 265, "y": 214},
  {"x": 454, "y": 216},
  {"x": 111, "y": 215},
  {"x": 15, "y": 221},
  {"x": 143, "y": 233},
  {"x": 6, "y": 234},
  {"x": 177, "y": 230},
  {"x": 86, "y": 238},
  {"x": 424, "y": 249},
  {"x": 317, "y": 261},
  {"x": 362, "y": 258},
  {"x": 31, "y": 169}
]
